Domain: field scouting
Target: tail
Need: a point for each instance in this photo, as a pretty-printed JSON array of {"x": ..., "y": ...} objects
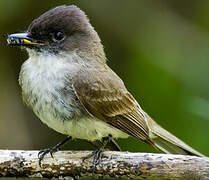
[{"x": 167, "y": 142}]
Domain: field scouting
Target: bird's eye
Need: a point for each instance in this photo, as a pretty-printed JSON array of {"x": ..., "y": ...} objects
[{"x": 58, "y": 36}]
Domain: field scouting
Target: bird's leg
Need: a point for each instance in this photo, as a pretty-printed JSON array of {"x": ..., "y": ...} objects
[
  {"x": 51, "y": 150},
  {"x": 97, "y": 154},
  {"x": 111, "y": 146}
]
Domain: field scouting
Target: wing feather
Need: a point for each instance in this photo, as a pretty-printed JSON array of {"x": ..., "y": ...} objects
[{"x": 104, "y": 96}]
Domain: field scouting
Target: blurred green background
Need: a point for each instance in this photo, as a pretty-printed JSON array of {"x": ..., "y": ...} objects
[{"x": 159, "y": 48}]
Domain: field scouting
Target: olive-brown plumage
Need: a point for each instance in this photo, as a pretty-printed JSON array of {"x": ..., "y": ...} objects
[
  {"x": 106, "y": 97},
  {"x": 69, "y": 86}
]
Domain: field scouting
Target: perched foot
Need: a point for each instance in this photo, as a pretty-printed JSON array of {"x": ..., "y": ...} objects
[
  {"x": 51, "y": 150},
  {"x": 97, "y": 154},
  {"x": 42, "y": 153}
]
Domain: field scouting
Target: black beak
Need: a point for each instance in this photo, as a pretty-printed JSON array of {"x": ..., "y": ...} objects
[{"x": 22, "y": 39}]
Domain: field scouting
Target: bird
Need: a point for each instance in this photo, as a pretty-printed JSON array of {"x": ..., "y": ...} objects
[{"x": 69, "y": 86}]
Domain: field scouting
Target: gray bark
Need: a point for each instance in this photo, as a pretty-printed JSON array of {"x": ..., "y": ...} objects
[{"x": 69, "y": 165}]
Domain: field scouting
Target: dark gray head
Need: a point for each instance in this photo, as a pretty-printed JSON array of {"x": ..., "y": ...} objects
[{"x": 64, "y": 28}]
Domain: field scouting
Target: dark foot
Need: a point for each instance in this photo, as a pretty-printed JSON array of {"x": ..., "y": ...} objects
[
  {"x": 51, "y": 150},
  {"x": 42, "y": 153},
  {"x": 97, "y": 154}
]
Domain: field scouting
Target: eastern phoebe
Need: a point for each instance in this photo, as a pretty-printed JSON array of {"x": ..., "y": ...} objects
[{"x": 69, "y": 86}]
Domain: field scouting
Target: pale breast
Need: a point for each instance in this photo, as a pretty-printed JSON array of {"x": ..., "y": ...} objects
[{"x": 44, "y": 89}]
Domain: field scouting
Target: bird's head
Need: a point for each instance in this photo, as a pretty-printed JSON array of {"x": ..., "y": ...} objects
[{"x": 63, "y": 29}]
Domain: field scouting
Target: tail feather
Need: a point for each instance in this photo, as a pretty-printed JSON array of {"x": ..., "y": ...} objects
[{"x": 167, "y": 142}]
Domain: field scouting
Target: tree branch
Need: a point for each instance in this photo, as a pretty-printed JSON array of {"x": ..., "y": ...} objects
[{"x": 69, "y": 164}]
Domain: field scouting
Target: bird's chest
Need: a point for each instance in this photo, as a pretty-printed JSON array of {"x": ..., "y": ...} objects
[{"x": 45, "y": 90}]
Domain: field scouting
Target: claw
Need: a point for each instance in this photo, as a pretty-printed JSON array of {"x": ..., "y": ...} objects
[
  {"x": 97, "y": 154},
  {"x": 97, "y": 157},
  {"x": 51, "y": 153},
  {"x": 44, "y": 152}
]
